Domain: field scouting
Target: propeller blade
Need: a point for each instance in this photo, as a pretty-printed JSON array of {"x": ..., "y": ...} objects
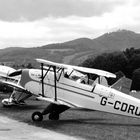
[{"x": 16, "y": 73}]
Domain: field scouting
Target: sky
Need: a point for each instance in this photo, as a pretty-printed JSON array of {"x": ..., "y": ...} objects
[{"x": 32, "y": 23}]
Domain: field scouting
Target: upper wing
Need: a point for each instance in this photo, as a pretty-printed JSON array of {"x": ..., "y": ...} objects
[
  {"x": 50, "y": 63},
  {"x": 94, "y": 71},
  {"x": 81, "y": 69}
]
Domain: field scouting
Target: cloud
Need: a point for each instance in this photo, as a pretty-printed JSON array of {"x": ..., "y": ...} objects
[
  {"x": 18, "y": 10},
  {"x": 30, "y": 29}
]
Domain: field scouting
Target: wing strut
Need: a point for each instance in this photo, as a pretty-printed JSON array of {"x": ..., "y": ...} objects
[
  {"x": 42, "y": 79},
  {"x": 55, "y": 86},
  {"x": 55, "y": 79}
]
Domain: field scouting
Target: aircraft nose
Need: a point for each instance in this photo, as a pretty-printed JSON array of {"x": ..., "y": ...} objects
[{"x": 15, "y": 73}]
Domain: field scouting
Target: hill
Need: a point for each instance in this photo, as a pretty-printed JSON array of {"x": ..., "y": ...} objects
[
  {"x": 119, "y": 40},
  {"x": 72, "y": 52}
]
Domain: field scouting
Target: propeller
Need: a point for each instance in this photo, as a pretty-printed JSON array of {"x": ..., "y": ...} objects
[{"x": 15, "y": 73}]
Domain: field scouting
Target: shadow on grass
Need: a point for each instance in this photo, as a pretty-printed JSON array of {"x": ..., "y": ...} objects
[{"x": 81, "y": 122}]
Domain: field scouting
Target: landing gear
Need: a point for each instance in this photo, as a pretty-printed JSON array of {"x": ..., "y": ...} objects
[
  {"x": 37, "y": 116},
  {"x": 53, "y": 110},
  {"x": 53, "y": 116},
  {"x": 11, "y": 102},
  {"x": 6, "y": 103}
]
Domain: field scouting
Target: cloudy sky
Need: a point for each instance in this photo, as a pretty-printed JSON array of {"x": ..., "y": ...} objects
[{"x": 29, "y": 23}]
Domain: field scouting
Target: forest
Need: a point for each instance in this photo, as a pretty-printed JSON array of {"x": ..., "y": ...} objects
[{"x": 126, "y": 62}]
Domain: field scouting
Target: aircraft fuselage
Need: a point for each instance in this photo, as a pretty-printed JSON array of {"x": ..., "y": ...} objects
[{"x": 97, "y": 97}]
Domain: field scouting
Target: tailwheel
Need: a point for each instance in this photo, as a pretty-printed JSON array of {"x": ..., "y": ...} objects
[
  {"x": 53, "y": 116},
  {"x": 37, "y": 116}
]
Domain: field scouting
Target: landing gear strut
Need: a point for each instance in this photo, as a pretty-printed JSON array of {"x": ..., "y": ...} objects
[{"x": 53, "y": 116}]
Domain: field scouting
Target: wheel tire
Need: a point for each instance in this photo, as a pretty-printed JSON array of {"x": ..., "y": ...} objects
[
  {"x": 6, "y": 104},
  {"x": 53, "y": 116},
  {"x": 37, "y": 116}
]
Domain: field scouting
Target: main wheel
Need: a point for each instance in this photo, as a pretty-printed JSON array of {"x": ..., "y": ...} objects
[
  {"x": 6, "y": 103},
  {"x": 37, "y": 116},
  {"x": 53, "y": 116}
]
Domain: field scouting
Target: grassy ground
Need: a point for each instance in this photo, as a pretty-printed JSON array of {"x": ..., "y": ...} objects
[{"x": 91, "y": 125}]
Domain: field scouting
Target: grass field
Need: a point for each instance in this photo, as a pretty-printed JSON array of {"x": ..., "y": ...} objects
[{"x": 90, "y": 125}]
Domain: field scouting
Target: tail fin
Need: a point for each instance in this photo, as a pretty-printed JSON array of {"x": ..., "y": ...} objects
[{"x": 123, "y": 85}]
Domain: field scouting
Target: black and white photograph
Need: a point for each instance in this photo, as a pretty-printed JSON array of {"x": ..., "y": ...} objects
[{"x": 69, "y": 69}]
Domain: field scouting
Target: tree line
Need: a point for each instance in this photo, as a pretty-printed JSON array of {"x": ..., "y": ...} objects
[{"x": 126, "y": 61}]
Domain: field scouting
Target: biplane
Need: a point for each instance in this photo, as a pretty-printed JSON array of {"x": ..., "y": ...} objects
[{"x": 66, "y": 86}]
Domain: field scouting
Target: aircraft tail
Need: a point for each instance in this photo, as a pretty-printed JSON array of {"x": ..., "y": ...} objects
[{"x": 123, "y": 85}]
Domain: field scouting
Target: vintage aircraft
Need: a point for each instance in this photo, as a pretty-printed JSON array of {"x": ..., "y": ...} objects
[{"x": 65, "y": 86}]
